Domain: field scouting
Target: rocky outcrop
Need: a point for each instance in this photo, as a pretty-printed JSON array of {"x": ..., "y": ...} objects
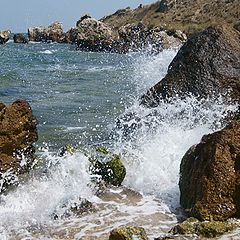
[
  {"x": 52, "y": 33},
  {"x": 210, "y": 176},
  {"x": 135, "y": 37},
  {"x": 17, "y": 134},
  {"x": 92, "y": 34},
  {"x": 20, "y": 38},
  {"x": 4, "y": 36},
  {"x": 206, "y": 65}
]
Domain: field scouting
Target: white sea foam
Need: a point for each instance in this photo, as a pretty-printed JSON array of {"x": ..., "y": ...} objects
[
  {"x": 47, "y": 52},
  {"x": 34, "y": 202}
]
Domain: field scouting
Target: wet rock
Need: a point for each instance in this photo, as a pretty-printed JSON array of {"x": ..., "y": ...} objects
[
  {"x": 128, "y": 233},
  {"x": 109, "y": 166},
  {"x": 73, "y": 208},
  {"x": 206, "y": 65},
  {"x": 65, "y": 150},
  {"x": 4, "y": 36},
  {"x": 210, "y": 229},
  {"x": 52, "y": 33},
  {"x": 210, "y": 176},
  {"x": 20, "y": 38},
  {"x": 18, "y": 132}
]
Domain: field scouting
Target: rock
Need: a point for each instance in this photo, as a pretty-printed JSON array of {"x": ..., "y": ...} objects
[
  {"x": 206, "y": 65},
  {"x": 93, "y": 35},
  {"x": 210, "y": 176},
  {"x": 17, "y": 134},
  {"x": 4, "y": 36},
  {"x": 53, "y": 33},
  {"x": 210, "y": 229},
  {"x": 20, "y": 38},
  {"x": 70, "y": 208},
  {"x": 135, "y": 37},
  {"x": 109, "y": 166},
  {"x": 164, "y": 6},
  {"x": 71, "y": 35},
  {"x": 128, "y": 233},
  {"x": 65, "y": 150}
]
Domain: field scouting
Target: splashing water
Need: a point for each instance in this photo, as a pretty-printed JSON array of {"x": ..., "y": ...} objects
[{"x": 151, "y": 142}]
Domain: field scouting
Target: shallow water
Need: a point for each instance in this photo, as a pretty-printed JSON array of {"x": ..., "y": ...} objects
[{"x": 91, "y": 99}]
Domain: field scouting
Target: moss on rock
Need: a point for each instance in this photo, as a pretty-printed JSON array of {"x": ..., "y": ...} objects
[
  {"x": 203, "y": 229},
  {"x": 128, "y": 233}
]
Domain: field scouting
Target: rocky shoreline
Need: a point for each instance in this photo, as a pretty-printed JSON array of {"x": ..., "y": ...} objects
[{"x": 207, "y": 66}]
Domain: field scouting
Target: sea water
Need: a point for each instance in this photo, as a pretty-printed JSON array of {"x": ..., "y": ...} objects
[{"x": 92, "y": 99}]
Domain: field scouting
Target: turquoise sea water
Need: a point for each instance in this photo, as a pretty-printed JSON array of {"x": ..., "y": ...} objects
[{"x": 88, "y": 99}]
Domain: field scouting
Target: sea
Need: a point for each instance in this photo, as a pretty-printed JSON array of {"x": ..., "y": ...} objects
[{"x": 87, "y": 100}]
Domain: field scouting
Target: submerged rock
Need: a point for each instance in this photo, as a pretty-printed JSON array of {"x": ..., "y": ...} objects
[
  {"x": 206, "y": 65},
  {"x": 210, "y": 229},
  {"x": 18, "y": 132},
  {"x": 53, "y": 33},
  {"x": 20, "y": 38},
  {"x": 128, "y": 233},
  {"x": 210, "y": 176},
  {"x": 4, "y": 36}
]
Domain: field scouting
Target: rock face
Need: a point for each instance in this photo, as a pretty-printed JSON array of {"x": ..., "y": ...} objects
[
  {"x": 205, "y": 66},
  {"x": 4, "y": 36},
  {"x": 17, "y": 134},
  {"x": 210, "y": 176},
  {"x": 53, "y": 33},
  {"x": 20, "y": 38}
]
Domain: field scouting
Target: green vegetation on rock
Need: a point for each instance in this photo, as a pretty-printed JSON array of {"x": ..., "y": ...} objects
[
  {"x": 128, "y": 233},
  {"x": 204, "y": 229},
  {"x": 109, "y": 166}
]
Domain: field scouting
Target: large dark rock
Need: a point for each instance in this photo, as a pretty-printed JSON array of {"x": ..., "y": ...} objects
[
  {"x": 20, "y": 38},
  {"x": 52, "y": 33},
  {"x": 206, "y": 65},
  {"x": 4, "y": 36},
  {"x": 17, "y": 134},
  {"x": 210, "y": 176}
]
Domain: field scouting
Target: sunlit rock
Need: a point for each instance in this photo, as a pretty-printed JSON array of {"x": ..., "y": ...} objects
[{"x": 18, "y": 132}]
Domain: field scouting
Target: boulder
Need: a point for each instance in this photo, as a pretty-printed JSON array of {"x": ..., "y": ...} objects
[
  {"x": 93, "y": 35},
  {"x": 210, "y": 176},
  {"x": 52, "y": 33},
  {"x": 4, "y": 36},
  {"x": 128, "y": 233},
  {"x": 20, "y": 38},
  {"x": 17, "y": 134},
  {"x": 206, "y": 65}
]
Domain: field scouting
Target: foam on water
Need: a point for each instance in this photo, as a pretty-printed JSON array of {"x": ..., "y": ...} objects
[
  {"x": 34, "y": 202},
  {"x": 152, "y": 143}
]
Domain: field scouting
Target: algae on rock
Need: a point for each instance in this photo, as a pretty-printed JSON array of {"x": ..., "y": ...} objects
[{"x": 128, "y": 233}]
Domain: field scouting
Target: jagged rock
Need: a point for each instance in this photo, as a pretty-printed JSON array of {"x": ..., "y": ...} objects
[
  {"x": 4, "y": 36},
  {"x": 93, "y": 35},
  {"x": 206, "y": 65},
  {"x": 210, "y": 229},
  {"x": 17, "y": 134},
  {"x": 71, "y": 35},
  {"x": 53, "y": 32},
  {"x": 20, "y": 38},
  {"x": 66, "y": 149},
  {"x": 128, "y": 233},
  {"x": 210, "y": 176}
]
